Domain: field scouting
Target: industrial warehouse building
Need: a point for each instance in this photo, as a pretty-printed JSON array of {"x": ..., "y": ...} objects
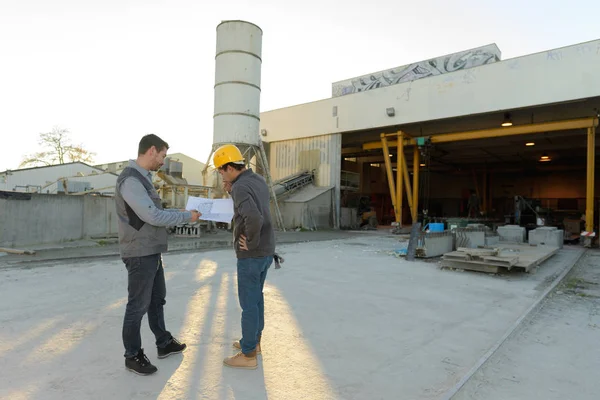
[{"x": 517, "y": 135}]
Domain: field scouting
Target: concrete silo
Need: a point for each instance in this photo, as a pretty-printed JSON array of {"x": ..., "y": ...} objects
[
  {"x": 237, "y": 84},
  {"x": 236, "y": 118}
]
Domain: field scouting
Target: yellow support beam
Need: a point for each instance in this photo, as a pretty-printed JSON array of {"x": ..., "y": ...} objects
[
  {"x": 350, "y": 150},
  {"x": 377, "y": 145},
  {"x": 591, "y": 167},
  {"x": 402, "y": 169},
  {"x": 409, "y": 196},
  {"x": 580, "y": 123},
  {"x": 400, "y": 164},
  {"x": 390, "y": 174},
  {"x": 415, "y": 191}
]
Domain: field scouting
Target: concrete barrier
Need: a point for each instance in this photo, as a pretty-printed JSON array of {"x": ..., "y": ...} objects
[{"x": 33, "y": 219}]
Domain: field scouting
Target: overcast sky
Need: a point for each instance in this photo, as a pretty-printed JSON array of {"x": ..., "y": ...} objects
[{"x": 111, "y": 71}]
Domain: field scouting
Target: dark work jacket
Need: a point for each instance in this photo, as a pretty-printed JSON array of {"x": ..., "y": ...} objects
[{"x": 252, "y": 216}]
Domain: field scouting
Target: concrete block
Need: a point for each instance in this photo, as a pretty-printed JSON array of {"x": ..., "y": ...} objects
[
  {"x": 434, "y": 245},
  {"x": 548, "y": 236},
  {"x": 475, "y": 226},
  {"x": 492, "y": 240},
  {"x": 512, "y": 233},
  {"x": 476, "y": 239}
]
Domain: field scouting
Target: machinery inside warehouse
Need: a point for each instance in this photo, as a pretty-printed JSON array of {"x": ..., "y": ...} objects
[{"x": 484, "y": 174}]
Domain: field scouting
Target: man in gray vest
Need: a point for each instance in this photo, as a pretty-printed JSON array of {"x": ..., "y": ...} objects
[{"x": 142, "y": 239}]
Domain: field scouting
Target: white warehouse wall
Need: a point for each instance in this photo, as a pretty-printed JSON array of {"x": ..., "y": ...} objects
[
  {"x": 558, "y": 75},
  {"x": 104, "y": 183},
  {"x": 42, "y": 176}
]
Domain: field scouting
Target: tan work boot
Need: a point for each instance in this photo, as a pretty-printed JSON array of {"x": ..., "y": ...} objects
[
  {"x": 241, "y": 360},
  {"x": 238, "y": 346}
]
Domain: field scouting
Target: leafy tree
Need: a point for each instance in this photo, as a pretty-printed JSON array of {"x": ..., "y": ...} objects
[{"x": 57, "y": 150}]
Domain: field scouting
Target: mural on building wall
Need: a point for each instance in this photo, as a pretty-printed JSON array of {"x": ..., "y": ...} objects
[{"x": 424, "y": 69}]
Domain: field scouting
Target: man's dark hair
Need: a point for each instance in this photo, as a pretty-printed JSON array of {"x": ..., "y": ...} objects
[
  {"x": 151, "y": 140},
  {"x": 237, "y": 167}
]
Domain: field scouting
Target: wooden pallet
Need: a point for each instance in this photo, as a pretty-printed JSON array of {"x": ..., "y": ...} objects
[
  {"x": 470, "y": 266},
  {"x": 509, "y": 256},
  {"x": 481, "y": 256}
]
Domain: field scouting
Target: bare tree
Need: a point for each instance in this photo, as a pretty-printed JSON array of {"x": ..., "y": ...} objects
[{"x": 57, "y": 150}]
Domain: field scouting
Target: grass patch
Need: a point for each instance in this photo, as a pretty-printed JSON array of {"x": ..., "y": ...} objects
[
  {"x": 574, "y": 283},
  {"x": 578, "y": 283}
]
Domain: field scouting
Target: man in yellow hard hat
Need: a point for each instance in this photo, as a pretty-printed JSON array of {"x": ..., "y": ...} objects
[{"x": 254, "y": 244}]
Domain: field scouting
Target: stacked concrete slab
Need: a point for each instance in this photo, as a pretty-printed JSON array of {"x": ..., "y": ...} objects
[
  {"x": 475, "y": 236},
  {"x": 547, "y": 236},
  {"x": 512, "y": 233}
]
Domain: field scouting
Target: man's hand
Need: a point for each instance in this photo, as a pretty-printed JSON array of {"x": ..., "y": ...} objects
[
  {"x": 227, "y": 186},
  {"x": 195, "y": 215},
  {"x": 243, "y": 244}
]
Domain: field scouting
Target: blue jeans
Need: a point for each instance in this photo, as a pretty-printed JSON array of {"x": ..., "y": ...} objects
[
  {"x": 251, "y": 275},
  {"x": 147, "y": 291}
]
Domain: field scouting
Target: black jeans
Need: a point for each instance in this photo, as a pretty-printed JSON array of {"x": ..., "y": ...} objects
[{"x": 147, "y": 291}]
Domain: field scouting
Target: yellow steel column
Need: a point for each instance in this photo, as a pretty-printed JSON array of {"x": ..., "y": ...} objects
[
  {"x": 415, "y": 191},
  {"x": 407, "y": 183},
  {"x": 399, "y": 165},
  {"x": 390, "y": 173},
  {"x": 591, "y": 166}
]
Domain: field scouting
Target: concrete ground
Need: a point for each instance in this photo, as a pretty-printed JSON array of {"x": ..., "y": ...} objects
[
  {"x": 555, "y": 354},
  {"x": 108, "y": 247},
  {"x": 345, "y": 319}
]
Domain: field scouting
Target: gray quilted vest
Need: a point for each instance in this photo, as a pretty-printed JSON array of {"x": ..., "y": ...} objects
[{"x": 136, "y": 237}]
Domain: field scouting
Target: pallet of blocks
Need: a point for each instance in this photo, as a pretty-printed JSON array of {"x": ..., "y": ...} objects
[{"x": 507, "y": 257}]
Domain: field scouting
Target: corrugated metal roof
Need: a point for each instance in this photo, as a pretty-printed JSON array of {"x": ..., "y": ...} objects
[{"x": 50, "y": 166}]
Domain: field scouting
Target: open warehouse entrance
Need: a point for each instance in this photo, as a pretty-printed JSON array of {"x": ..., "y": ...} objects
[{"x": 501, "y": 168}]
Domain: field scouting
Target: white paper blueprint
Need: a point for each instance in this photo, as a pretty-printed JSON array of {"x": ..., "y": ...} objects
[{"x": 218, "y": 210}]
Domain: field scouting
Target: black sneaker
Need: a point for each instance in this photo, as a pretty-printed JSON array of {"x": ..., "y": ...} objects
[
  {"x": 140, "y": 364},
  {"x": 172, "y": 348}
]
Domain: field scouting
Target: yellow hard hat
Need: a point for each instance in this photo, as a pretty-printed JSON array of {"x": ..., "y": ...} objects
[{"x": 227, "y": 154}]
